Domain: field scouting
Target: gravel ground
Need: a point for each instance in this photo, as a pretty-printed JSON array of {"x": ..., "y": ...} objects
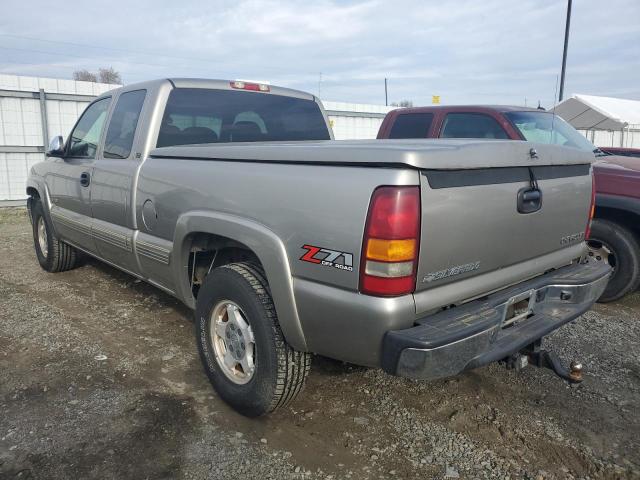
[{"x": 99, "y": 378}]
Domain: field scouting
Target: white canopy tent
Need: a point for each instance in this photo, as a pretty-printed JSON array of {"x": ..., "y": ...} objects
[{"x": 606, "y": 121}]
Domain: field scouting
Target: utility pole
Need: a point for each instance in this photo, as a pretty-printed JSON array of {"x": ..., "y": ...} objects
[
  {"x": 386, "y": 98},
  {"x": 564, "y": 53}
]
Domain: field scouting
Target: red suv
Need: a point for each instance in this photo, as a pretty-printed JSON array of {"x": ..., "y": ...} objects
[{"x": 615, "y": 232}]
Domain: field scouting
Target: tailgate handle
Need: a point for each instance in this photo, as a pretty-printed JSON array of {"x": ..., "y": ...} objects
[{"x": 529, "y": 200}]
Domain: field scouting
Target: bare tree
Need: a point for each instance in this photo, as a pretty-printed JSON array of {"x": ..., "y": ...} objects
[
  {"x": 85, "y": 76},
  {"x": 403, "y": 103},
  {"x": 109, "y": 75}
]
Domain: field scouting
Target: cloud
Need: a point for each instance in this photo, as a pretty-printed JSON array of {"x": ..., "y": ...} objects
[{"x": 495, "y": 51}]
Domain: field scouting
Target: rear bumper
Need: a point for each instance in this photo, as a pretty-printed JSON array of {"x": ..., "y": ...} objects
[{"x": 476, "y": 333}]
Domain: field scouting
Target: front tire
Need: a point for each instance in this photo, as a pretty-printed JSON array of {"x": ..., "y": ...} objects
[
  {"x": 242, "y": 348},
  {"x": 617, "y": 245},
  {"x": 53, "y": 254}
]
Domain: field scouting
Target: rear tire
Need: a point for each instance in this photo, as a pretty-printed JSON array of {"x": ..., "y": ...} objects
[
  {"x": 611, "y": 242},
  {"x": 53, "y": 254},
  {"x": 276, "y": 372}
]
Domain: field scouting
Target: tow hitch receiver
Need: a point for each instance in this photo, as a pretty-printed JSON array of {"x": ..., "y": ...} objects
[
  {"x": 536, "y": 356},
  {"x": 547, "y": 359}
]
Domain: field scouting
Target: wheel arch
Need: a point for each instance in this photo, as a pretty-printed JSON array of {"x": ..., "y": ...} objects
[
  {"x": 622, "y": 210},
  {"x": 257, "y": 239},
  {"x": 36, "y": 191}
]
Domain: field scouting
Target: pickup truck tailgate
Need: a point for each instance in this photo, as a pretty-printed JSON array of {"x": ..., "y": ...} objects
[{"x": 476, "y": 220}]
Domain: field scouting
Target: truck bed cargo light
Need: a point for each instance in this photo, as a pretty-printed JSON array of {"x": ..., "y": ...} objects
[{"x": 256, "y": 87}]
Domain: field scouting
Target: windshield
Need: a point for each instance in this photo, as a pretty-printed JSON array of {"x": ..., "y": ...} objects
[
  {"x": 196, "y": 115},
  {"x": 545, "y": 127}
]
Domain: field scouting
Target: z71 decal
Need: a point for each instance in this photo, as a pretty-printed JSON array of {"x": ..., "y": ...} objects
[{"x": 328, "y": 258}]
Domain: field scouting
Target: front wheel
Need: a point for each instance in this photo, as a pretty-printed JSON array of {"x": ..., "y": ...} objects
[
  {"x": 53, "y": 254},
  {"x": 244, "y": 353},
  {"x": 612, "y": 243}
]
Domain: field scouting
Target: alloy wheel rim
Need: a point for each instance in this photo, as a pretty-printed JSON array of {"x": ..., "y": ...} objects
[
  {"x": 42, "y": 237},
  {"x": 233, "y": 342}
]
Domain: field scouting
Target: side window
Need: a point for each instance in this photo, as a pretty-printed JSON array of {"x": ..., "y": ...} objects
[
  {"x": 84, "y": 138},
  {"x": 411, "y": 125},
  {"x": 471, "y": 125},
  {"x": 122, "y": 126}
]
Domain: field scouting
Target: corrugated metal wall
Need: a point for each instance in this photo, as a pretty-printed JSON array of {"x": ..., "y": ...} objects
[
  {"x": 22, "y": 137},
  {"x": 351, "y": 121}
]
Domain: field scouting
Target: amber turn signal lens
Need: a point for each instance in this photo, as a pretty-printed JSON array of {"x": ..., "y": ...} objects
[{"x": 391, "y": 250}]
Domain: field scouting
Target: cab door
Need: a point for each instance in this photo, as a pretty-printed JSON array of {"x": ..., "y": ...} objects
[
  {"x": 69, "y": 182},
  {"x": 113, "y": 183}
]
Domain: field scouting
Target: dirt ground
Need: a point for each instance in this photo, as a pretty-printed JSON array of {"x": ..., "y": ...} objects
[{"x": 99, "y": 378}]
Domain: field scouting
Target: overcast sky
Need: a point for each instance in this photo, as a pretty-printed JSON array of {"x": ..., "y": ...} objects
[{"x": 490, "y": 51}]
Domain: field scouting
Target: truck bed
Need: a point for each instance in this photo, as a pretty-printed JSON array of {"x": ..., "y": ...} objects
[{"x": 419, "y": 154}]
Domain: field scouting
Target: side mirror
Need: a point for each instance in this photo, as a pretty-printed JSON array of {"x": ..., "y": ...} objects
[{"x": 56, "y": 147}]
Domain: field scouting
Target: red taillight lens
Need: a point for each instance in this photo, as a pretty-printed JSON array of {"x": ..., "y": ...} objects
[
  {"x": 387, "y": 287},
  {"x": 592, "y": 208},
  {"x": 394, "y": 213},
  {"x": 391, "y": 242}
]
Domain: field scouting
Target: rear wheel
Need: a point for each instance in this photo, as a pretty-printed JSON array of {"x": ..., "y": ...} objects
[
  {"x": 241, "y": 345},
  {"x": 616, "y": 245},
  {"x": 53, "y": 254}
]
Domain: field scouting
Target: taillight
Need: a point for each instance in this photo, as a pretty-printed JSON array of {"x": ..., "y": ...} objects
[
  {"x": 391, "y": 242},
  {"x": 592, "y": 208},
  {"x": 256, "y": 87}
]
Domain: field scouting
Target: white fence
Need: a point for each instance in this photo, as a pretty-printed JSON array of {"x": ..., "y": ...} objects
[
  {"x": 351, "y": 121},
  {"x": 34, "y": 109},
  {"x": 629, "y": 138}
]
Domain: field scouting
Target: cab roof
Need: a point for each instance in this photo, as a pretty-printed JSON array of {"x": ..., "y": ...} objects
[{"x": 206, "y": 83}]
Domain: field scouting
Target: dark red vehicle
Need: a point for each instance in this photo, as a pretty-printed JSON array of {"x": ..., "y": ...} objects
[
  {"x": 615, "y": 231},
  {"x": 622, "y": 151}
]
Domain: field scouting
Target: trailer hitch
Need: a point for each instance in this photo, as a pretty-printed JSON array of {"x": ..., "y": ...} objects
[
  {"x": 547, "y": 359},
  {"x": 538, "y": 357}
]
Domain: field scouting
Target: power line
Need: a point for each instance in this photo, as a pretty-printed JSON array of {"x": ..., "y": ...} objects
[
  {"x": 56, "y": 66},
  {"x": 129, "y": 51},
  {"x": 45, "y": 52},
  {"x": 114, "y": 49}
]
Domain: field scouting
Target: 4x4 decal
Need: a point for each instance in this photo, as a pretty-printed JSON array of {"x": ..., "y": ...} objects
[{"x": 328, "y": 258}]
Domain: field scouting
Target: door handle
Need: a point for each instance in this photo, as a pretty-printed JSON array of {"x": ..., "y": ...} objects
[
  {"x": 85, "y": 179},
  {"x": 529, "y": 200}
]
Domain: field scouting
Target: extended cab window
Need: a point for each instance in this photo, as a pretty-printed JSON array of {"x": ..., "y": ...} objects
[
  {"x": 411, "y": 125},
  {"x": 471, "y": 125},
  {"x": 84, "y": 138},
  {"x": 196, "y": 115},
  {"x": 122, "y": 126}
]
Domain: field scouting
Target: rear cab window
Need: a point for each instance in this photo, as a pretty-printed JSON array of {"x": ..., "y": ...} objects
[
  {"x": 196, "y": 116},
  {"x": 471, "y": 125},
  {"x": 411, "y": 125},
  {"x": 123, "y": 123}
]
